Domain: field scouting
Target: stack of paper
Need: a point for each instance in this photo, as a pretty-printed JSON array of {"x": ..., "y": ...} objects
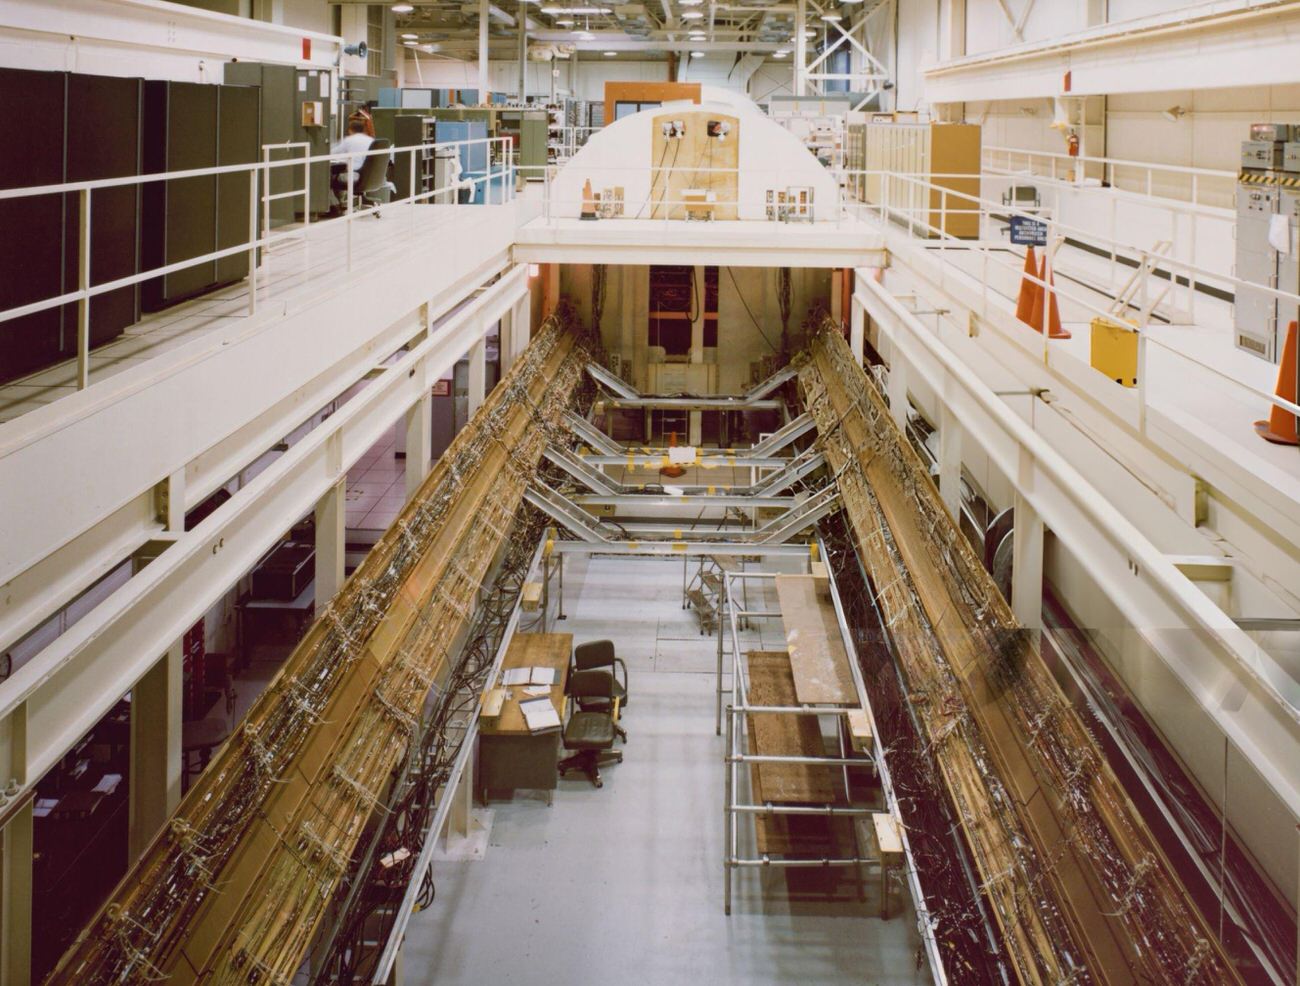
[
  {"x": 540, "y": 715},
  {"x": 528, "y": 676}
]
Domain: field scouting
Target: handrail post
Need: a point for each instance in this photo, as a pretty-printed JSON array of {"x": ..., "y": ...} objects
[
  {"x": 252, "y": 241},
  {"x": 348, "y": 216},
  {"x": 306, "y": 205},
  {"x": 83, "y": 285}
]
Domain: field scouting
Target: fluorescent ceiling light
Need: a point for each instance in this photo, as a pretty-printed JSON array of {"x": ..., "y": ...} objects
[
  {"x": 575, "y": 10},
  {"x": 690, "y": 3},
  {"x": 584, "y": 35},
  {"x": 810, "y": 33},
  {"x": 410, "y": 37},
  {"x": 611, "y": 54},
  {"x": 567, "y": 22},
  {"x": 402, "y": 8},
  {"x": 831, "y": 17},
  {"x": 693, "y": 15},
  {"x": 697, "y": 54},
  {"x": 780, "y": 54},
  {"x": 411, "y": 44}
]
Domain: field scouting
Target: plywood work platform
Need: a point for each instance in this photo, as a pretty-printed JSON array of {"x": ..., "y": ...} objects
[
  {"x": 771, "y": 682},
  {"x": 812, "y": 634}
]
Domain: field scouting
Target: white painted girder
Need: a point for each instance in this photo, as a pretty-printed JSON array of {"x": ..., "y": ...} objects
[
  {"x": 54, "y": 699},
  {"x": 1209, "y": 46}
]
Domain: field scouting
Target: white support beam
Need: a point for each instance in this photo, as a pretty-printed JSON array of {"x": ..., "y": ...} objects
[
  {"x": 1229, "y": 44},
  {"x": 857, "y": 329},
  {"x": 54, "y": 699},
  {"x": 16, "y": 851},
  {"x": 1027, "y": 564},
  {"x": 484, "y": 87},
  {"x": 113, "y": 36},
  {"x": 155, "y": 750},
  {"x": 478, "y": 373},
  {"x": 950, "y": 461},
  {"x": 331, "y": 530},
  {"x": 800, "y": 48},
  {"x": 419, "y": 442}
]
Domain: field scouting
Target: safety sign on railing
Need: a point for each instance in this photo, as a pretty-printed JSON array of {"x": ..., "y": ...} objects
[{"x": 1028, "y": 232}]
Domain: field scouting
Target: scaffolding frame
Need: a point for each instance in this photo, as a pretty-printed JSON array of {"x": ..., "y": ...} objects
[{"x": 734, "y": 756}]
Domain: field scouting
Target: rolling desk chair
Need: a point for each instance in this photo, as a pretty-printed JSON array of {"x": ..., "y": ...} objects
[
  {"x": 591, "y": 733},
  {"x": 370, "y": 180},
  {"x": 593, "y": 663}
]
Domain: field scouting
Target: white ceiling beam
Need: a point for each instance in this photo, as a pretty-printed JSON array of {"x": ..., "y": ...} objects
[{"x": 618, "y": 41}]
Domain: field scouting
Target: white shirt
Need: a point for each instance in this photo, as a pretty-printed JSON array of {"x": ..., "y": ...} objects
[{"x": 352, "y": 144}]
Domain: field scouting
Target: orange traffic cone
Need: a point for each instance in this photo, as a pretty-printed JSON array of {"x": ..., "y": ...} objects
[
  {"x": 1028, "y": 289},
  {"x": 1053, "y": 319},
  {"x": 1280, "y": 428},
  {"x": 672, "y": 471}
]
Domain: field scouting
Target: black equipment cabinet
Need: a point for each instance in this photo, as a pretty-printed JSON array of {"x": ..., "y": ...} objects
[
  {"x": 103, "y": 141},
  {"x": 31, "y": 251},
  {"x": 239, "y": 142},
  {"x": 80, "y": 128},
  {"x": 186, "y": 126},
  {"x": 279, "y": 126}
]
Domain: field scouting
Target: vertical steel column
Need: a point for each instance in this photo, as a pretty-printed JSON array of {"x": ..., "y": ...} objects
[
  {"x": 155, "y": 750},
  {"x": 419, "y": 443},
  {"x": 331, "y": 541},
  {"x": 522, "y": 14},
  {"x": 16, "y": 898},
  {"x": 1027, "y": 564},
  {"x": 897, "y": 387},
  {"x": 477, "y": 375},
  {"x": 857, "y": 327},
  {"x": 800, "y": 48},
  {"x": 484, "y": 81},
  {"x": 83, "y": 285},
  {"x": 950, "y": 461}
]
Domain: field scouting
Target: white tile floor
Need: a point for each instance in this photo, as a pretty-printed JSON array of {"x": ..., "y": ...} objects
[
  {"x": 376, "y": 488},
  {"x": 624, "y": 884}
]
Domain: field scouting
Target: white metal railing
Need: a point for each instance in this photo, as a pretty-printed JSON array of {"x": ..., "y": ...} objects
[
  {"x": 570, "y": 141},
  {"x": 656, "y": 198},
  {"x": 1175, "y": 182},
  {"x": 500, "y": 173},
  {"x": 897, "y": 203}
]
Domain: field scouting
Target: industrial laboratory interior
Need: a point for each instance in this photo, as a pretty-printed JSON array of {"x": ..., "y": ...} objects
[{"x": 720, "y": 491}]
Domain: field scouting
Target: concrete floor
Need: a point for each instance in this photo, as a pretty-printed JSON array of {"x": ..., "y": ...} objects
[{"x": 625, "y": 884}]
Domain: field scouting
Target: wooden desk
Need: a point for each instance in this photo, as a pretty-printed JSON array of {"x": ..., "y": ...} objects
[
  {"x": 509, "y": 756},
  {"x": 812, "y": 635}
]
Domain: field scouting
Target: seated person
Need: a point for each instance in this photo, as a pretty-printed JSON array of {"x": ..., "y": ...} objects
[{"x": 349, "y": 152}]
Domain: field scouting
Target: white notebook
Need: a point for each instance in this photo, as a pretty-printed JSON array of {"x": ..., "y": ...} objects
[
  {"x": 528, "y": 676},
  {"x": 540, "y": 715}
]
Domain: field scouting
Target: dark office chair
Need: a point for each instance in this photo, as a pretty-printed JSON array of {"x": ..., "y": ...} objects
[
  {"x": 594, "y": 662},
  {"x": 591, "y": 732},
  {"x": 370, "y": 180}
]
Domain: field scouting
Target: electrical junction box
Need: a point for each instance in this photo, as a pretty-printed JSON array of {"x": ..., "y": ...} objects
[
  {"x": 1264, "y": 154},
  {"x": 1255, "y": 313},
  {"x": 1272, "y": 131},
  {"x": 1114, "y": 350},
  {"x": 1291, "y": 156}
]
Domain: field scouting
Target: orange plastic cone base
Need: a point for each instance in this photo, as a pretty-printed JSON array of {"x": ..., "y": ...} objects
[
  {"x": 672, "y": 472},
  {"x": 1028, "y": 289},
  {"x": 1054, "y": 329},
  {"x": 1280, "y": 428}
]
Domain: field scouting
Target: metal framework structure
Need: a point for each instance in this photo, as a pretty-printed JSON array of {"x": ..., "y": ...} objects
[{"x": 867, "y": 75}]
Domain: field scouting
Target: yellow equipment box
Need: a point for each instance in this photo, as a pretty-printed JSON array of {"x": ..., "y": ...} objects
[{"x": 1115, "y": 350}]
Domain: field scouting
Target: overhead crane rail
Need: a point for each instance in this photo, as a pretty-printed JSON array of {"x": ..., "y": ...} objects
[
  {"x": 1080, "y": 890},
  {"x": 235, "y": 888}
]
